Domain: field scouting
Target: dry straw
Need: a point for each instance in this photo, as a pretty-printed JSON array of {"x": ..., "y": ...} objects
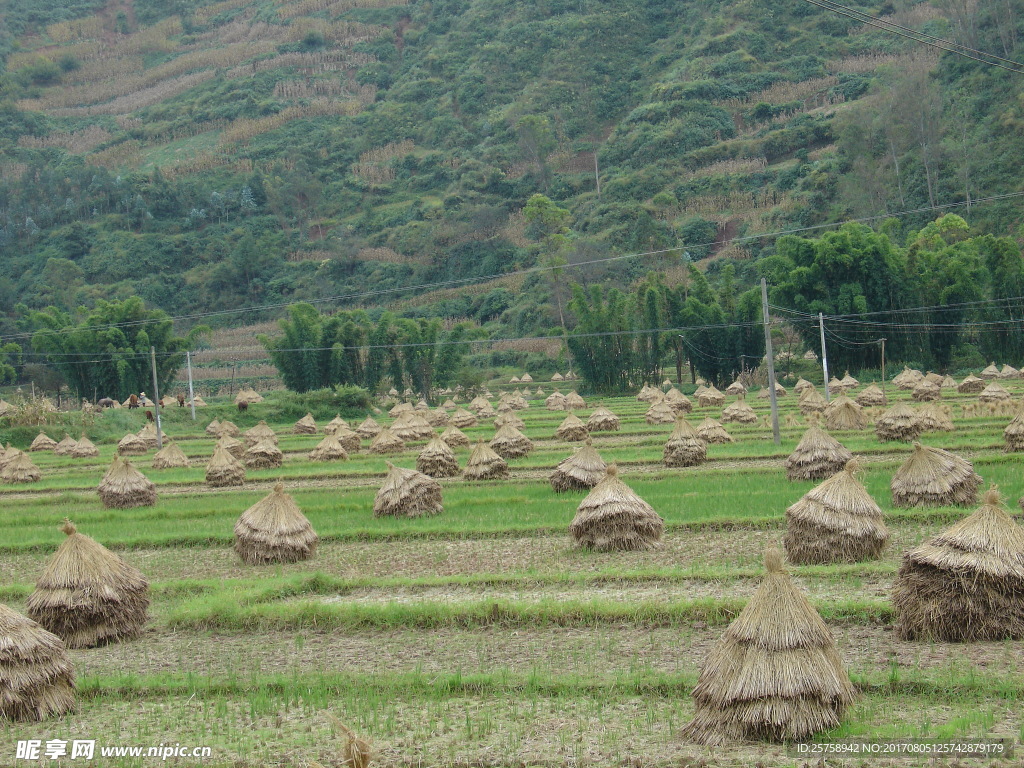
[
  {"x": 228, "y": 428},
  {"x": 198, "y": 402},
  {"x": 579, "y": 472},
  {"x": 849, "y": 382},
  {"x": 573, "y": 402},
  {"x": 124, "y": 486},
  {"x": 871, "y": 395},
  {"x": 462, "y": 419},
  {"x": 660, "y": 412},
  {"x": 329, "y": 449},
  {"x": 43, "y": 442},
  {"x": 36, "y": 677},
  {"x": 235, "y": 447},
  {"x": 248, "y": 395},
  {"x": 213, "y": 428},
  {"x": 934, "y": 477},
  {"x": 260, "y": 432},
  {"x": 331, "y": 427},
  {"x": 65, "y": 446},
  {"x": 369, "y": 429},
  {"x": 84, "y": 449},
  {"x": 908, "y": 378},
  {"x": 224, "y": 469},
  {"x": 454, "y": 437},
  {"x": 572, "y": 429},
  {"x": 87, "y": 595},
  {"x": 935, "y": 417},
  {"x": 412, "y": 426},
  {"x": 148, "y": 435},
  {"x": 811, "y": 401},
  {"x": 437, "y": 459},
  {"x": 602, "y": 420},
  {"x": 648, "y": 394},
  {"x": 20, "y": 469},
  {"x": 1014, "y": 433},
  {"x": 349, "y": 440},
  {"x": 971, "y": 385},
  {"x": 966, "y": 583},
  {"x": 740, "y": 412},
  {"x": 844, "y": 414},
  {"x": 612, "y": 517},
  {"x": 818, "y": 455},
  {"x": 264, "y": 455},
  {"x": 901, "y": 422},
  {"x": 437, "y": 417},
  {"x": 510, "y": 443},
  {"x": 991, "y": 372},
  {"x": 835, "y": 522},
  {"x": 710, "y": 397},
  {"x": 835, "y": 386},
  {"x": 407, "y": 493},
  {"x": 131, "y": 445},
  {"x": 680, "y": 403},
  {"x": 170, "y": 456},
  {"x": 555, "y": 401},
  {"x": 711, "y": 431},
  {"x": 485, "y": 464},
  {"x": 1009, "y": 372},
  {"x": 386, "y": 442},
  {"x": 510, "y": 419},
  {"x": 926, "y": 390},
  {"x": 305, "y": 426},
  {"x": 685, "y": 448},
  {"x": 801, "y": 385},
  {"x": 775, "y": 674},
  {"x": 994, "y": 393},
  {"x": 736, "y": 388},
  {"x": 274, "y": 530}
]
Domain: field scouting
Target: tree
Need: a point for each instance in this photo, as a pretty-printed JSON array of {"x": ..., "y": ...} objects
[{"x": 10, "y": 356}]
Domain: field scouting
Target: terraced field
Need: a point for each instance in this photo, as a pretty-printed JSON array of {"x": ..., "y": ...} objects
[{"x": 481, "y": 636}]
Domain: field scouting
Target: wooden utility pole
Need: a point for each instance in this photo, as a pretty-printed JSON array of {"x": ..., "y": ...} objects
[
  {"x": 883, "y": 364},
  {"x": 191, "y": 394},
  {"x": 824, "y": 355},
  {"x": 156, "y": 399},
  {"x": 772, "y": 397}
]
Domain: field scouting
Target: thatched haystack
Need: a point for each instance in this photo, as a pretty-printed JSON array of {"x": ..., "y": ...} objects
[
  {"x": 775, "y": 674},
  {"x": 454, "y": 437},
  {"x": 711, "y": 431},
  {"x": 224, "y": 469},
  {"x": 411, "y": 426},
  {"x": 555, "y": 401},
  {"x": 305, "y": 426},
  {"x": 579, "y": 472},
  {"x": 991, "y": 372},
  {"x": 478, "y": 404},
  {"x": 926, "y": 390},
  {"x": 557, "y": 377},
  {"x": 485, "y": 464},
  {"x": 332, "y": 426},
  {"x": 148, "y": 435},
  {"x": 765, "y": 394},
  {"x": 818, "y": 455},
  {"x": 260, "y": 432},
  {"x": 213, "y": 428},
  {"x": 65, "y": 446},
  {"x": 660, "y": 413},
  {"x": 573, "y": 402},
  {"x": 1009, "y": 372},
  {"x": 844, "y": 413},
  {"x": 602, "y": 420},
  {"x": 811, "y": 401},
  {"x": 736, "y": 388},
  {"x": 437, "y": 417},
  {"x": 20, "y": 469},
  {"x": 685, "y": 448},
  {"x": 849, "y": 382},
  {"x": 84, "y": 449},
  {"x": 613, "y": 518},
  {"x": 386, "y": 442},
  {"x": 934, "y": 378},
  {"x": 572, "y": 429},
  {"x": 437, "y": 459},
  {"x": 835, "y": 522},
  {"x": 407, "y": 493},
  {"x": 514, "y": 380},
  {"x": 228, "y": 428},
  {"x": 399, "y": 409},
  {"x": 462, "y": 419},
  {"x": 908, "y": 378},
  {"x": 36, "y": 675},
  {"x": 801, "y": 385},
  {"x": 526, "y": 378},
  {"x": 935, "y": 417},
  {"x": 43, "y": 442},
  {"x": 170, "y": 456},
  {"x": 510, "y": 443},
  {"x": 329, "y": 449},
  {"x": 739, "y": 412},
  {"x": 9, "y": 455},
  {"x": 274, "y": 530},
  {"x": 948, "y": 382},
  {"x": 835, "y": 386},
  {"x": 680, "y": 403},
  {"x": 263, "y": 455},
  {"x": 369, "y": 429},
  {"x": 197, "y": 401},
  {"x": 248, "y": 395},
  {"x": 971, "y": 385},
  {"x": 508, "y": 418},
  {"x": 872, "y": 395},
  {"x": 648, "y": 394},
  {"x": 934, "y": 477},
  {"x": 1014, "y": 434},
  {"x": 87, "y": 595},
  {"x": 900, "y": 422},
  {"x": 349, "y": 440},
  {"x": 994, "y": 393},
  {"x": 710, "y": 397},
  {"x": 123, "y": 486},
  {"x": 967, "y": 583},
  {"x": 235, "y": 447}
]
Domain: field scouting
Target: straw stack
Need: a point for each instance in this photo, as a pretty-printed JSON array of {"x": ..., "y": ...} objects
[
  {"x": 765, "y": 394},
  {"x": 485, "y": 464},
  {"x": 248, "y": 395},
  {"x": 411, "y": 426},
  {"x": 1014, "y": 434},
  {"x": 612, "y": 517},
  {"x": 684, "y": 448},
  {"x": 331, "y": 426},
  {"x": 386, "y": 442},
  {"x": 775, "y": 674},
  {"x": 935, "y": 417},
  {"x": 407, "y": 493},
  {"x": 660, "y": 412},
  {"x": 849, "y": 382},
  {"x": 399, "y": 409},
  {"x": 871, "y": 395},
  {"x": 602, "y": 420},
  {"x": 573, "y": 402},
  {"x": 579, "y": 472},
  {"x": 1009, "y": 372},
  {"x": 437, "y": 417},
  {"x": 844, "y": 413},
  {"x": 235, "y": 447},
  {"x": 124, "y": 486},
  {"x": 971, "y": 385},
  {"x": 710, "y": 431},
  {"x": 305, "y": 426},
  {"x": 934, "y": 477},
  {"x": 20, "y": 469},
  {"x": 710, "y": 397},
  {"x": 739, "y": 412},
  {"x": 818, "y": 455},
  {"x": 329, "y": 449},
  {"x": 836, "y": 522},
  {"x": 264, "y": 455},
  {"x": 454, "y": 437},
  {"x": 811, "y": 401},
  {"x": 966, "y": 583},
  {"x": 926, "y": 390},
  {"x": 131, "y": 445},
  {"x": 510, "y": 443},
  {"x": 572, "y": 429},
  {"x": 36, "y": 675},
  {"x": 948, "y": 382},
  {"x": 260, "y": 432},
  {"x": 349, "y": 440},
  {"x": 462, "y": 419},
  {"x": 274, "y": 530},
  {"x": 228, "y": 428},
  {"x": 736, "y": 388},
  {"x": 994, "y": 393},
  {"x": 84, "y": 449},
  {"x": 907, "y": 378},
  {"x": 680, "y": 403},
  {"x": 87, "y": 595},
  {"x": 369, "y": 429},
  {"x": 43, "y": 442},
  {"x": 801, "y": 385},
  {"x": 835, "y": 386},
  {"x": 148, "y": 435},
  {"x": 65, "y": 446},
  {"x": 213, "y": 428},
  {"x": 9, "y": 455},
  {"x": 224, "y": 469},
  {"x": 900, "y": 422},
  {"x": 508, "y": 418},
  {"x": 197, "y": 401},
  {"x": 437, "y": 459},
  {"x": 648, "y": 394},
  {"x": 555, "y": 401},
  {"x": 170, "y": 456}
]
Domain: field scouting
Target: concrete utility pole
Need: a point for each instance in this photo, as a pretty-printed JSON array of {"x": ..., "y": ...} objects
[
  {"x": 824, "y": 355},
  {"x": 883, "y": 363},
  {"x": 156, "y": 399},
  {"x": 772, "y": 398},
  {"x": 191, "y": 394}
]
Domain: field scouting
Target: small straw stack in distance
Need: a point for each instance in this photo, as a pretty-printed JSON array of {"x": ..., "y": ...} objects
[
  {"x": 934, "y": 477},
  {"x": 818, "y": 455},
  {"x": 579, "y": 472},
  {"x": 407, "y": 493},
  {"x": 274, "y": 530}
]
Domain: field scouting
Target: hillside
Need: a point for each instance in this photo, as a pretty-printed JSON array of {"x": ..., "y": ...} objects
[{"x": 209, "y": 156}]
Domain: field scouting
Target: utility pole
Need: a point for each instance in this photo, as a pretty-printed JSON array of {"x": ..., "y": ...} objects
[
  {"x": 772, "y": 398},
  {"x": 156, "y": 399},
  {"x": 233, "y": 367},
  {"x": 191, "y": 394},
  {"x": 883, "y": 363},
  {"x": 824, "y": 356}
]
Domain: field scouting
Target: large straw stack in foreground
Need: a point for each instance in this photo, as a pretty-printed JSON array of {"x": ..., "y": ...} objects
[
  {"x": 274, "y": 530},
  {"x": 1014, "y": 434},
  {"x": 20, "y": 469},
  {"x": 613, "y": 517},
  {"x": 87, "y": 595},
  {"x": 84, "y": 449},
  {"x": 224, "y": 469},
  {"x": 437, "y": 459},
  {"x": 37, "y": 680},
  {"x": 124, "y": 486},
  {"x": 685, "y": 448},
  {"x": 844, "y": 413},
  {"x": 579, "y": 472},
  {"x": 485, "y": 464},
  {"x": 818, "y": 455},
  {"x": 509, "y": 443},
  {"x": 775, "y": 674},
  {"x": 934, "y": 477},
  {"x": 264, "y": 455},
  {"x": 836, "y": 522},
  {"x": 710, "y": 431},
  {"x": 407, "y": 493},
  {"x": 967, "y": 583},
  {"x": 329, "y": 449},
  {"x": 900, "y": 422},
  {"x": 170, "y": 456}
]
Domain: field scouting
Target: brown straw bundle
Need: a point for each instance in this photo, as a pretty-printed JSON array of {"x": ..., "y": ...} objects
[
  {"x": 555, "y": 401},
  {"x": 407, "y": 493},
  {"x": 386, "y": 442},
  {"x": 510, "y": 443},
  {"x": 331, "y": 426},
  {"x": 369, "y": 429},
  {"x": 901, "y": 422},
  {"x": 872, "y": 395},
  {"x": 170, "y": 456},
  {"x": 509, "y": 418},
  {"x": 329, "y": 449},
  {"x": 573, "y": 402},
  {"x": 811, "y": 401},
  {"x": 132, "y": 445},
  {"x": 43, "y": 442},
  {"x": 264, "y": 455},
  {"x": 934, "y": 477},
  {"x": 710, "y": 397},
  {"x": 213, "y": 428},
  {"x": 462, "y": 419},
  {"x": 602, "y": 420},
  {"x": 818, "y": 455},
  {"x": 971, "y": 385},
  {"x": 20, "y": 469},
  {"x": 572, "y": 429},
  {"x": 274, "y": 530},
  {"x": 740, "y": 412},
  {"x": 65, "y": 446},
  {"x": 710, "y": 431},
  {"x": 124, "y": 486},
  {"x": 994, "y": 393},
  {"x": 305, "y": 426},
  {"x": 935, "y": 417},
  {"x": 36, "y": 675},
  {"x": 612, "y": 517},
  {"x": 485, "y": 464},
  {"x": 926, "y": 390},
  {"x": 1014, "y": 434},
  {"x": 224, "y": 469},
  {"x": 84, "y": 449},
  {"x": 660, "y": 412},
  {"x": 685, "y": 448},
  {"x": 579, "y": 472},
  {"x": 260, "y": 432},
  {"x": 235, "y": 447},
  {"x": 454, "y": 437},
  {"x": 680, "y": 403},
  {"x": 228, "y": 428},
  {"x": 844, "y": 414},
  {"x": 437, "y": 459}
]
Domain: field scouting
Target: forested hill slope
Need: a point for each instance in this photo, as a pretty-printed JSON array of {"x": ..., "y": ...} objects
[{"x": 215, "y": 155}]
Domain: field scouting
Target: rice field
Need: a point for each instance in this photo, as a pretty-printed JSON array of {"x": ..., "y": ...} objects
[{"x": 481, "y": 636}]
